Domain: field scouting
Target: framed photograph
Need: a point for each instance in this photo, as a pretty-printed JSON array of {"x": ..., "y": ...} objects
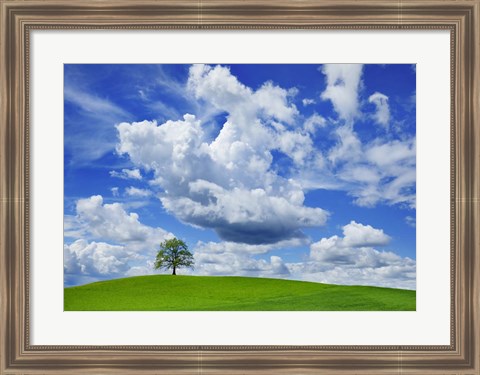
[{"x": 254, "y": 187}]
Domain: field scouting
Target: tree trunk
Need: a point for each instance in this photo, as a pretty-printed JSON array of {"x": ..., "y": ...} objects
[{"x": 173, "y": 273}]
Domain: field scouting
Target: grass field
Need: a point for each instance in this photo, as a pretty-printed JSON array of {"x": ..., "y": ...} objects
[{"x": 215, "y": 293}]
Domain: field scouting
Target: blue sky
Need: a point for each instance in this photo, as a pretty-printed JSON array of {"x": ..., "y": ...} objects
[{"x": 304, "y": 172}]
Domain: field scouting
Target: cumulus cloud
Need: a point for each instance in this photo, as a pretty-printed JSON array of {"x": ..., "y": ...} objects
[
  {"x": 353, "y": 259},
  {"x": 248, "y": 216},
  {"x": 343, "y": 82},
  {"x": 382, "y": 115},
  {"x": 229, "y": 184},
  {"x": 95, "y": 258},
  {"x": 126, "y": 174},
  {"x": 72, "y": 228},
  {"x": 86, "y": 262},
  {"x": 173, "y": 150},
  {"x": 226, "y": 258},
  {"x": 217, "y": 86},
  {"x": 356, "y": 234},
  {"x": 110, "y": 222},
  {"x": 108, "y": 242}
]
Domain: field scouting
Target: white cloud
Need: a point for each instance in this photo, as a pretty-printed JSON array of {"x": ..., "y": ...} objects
[
  {"x": 95, "y": 258},
  {"x": 136, "y": 192},
  {"x": 273, "y": 101},
  {"x": 352, "y": 259},
  {"x": 343, "y": 82},
  {"x": 110, "y": 222},
  {"x": 86, "y": 262},
  {"x": 377, "y": 172},
  {"x": 356, "y": 234},
  {"x": 243, "y": 248},
  {"x": 395, "y": 163},
  {"x": 361, "y": 173},
  {"x": 298, "y": 146},
  {"x": 126, "y": 174},
  {"x": 390, "y": 154},
  {"x": 173, "y": 150},
  {"x": 146, "y": 269},
  {"x": 226, "y": 258},
  {"x": 313, "y": 122},
  {"x": 228, "y": 184},
  {"x": 348, "y": 147},
  {"x": 382, "y": 116},
  {"x": 401, "y": 276},
  {"x": 108, "y": 242},
  {"x": 245, "y": 216},
  {"x": 218, "y": 86},
  {"x": 72, "y": 228},
  {"x": 307, "y": 101},
  {"x": 114, "y": 191},
  {"x": 381, "y": 171}
]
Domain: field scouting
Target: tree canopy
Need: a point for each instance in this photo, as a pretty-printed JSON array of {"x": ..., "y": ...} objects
[{"x": 173, "y": 254}]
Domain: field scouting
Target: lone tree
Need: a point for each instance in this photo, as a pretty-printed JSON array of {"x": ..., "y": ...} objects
[{"x": 173, "y": 254}]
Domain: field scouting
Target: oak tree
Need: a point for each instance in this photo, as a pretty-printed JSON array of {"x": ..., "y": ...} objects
[{"x": 173, "y": 254}]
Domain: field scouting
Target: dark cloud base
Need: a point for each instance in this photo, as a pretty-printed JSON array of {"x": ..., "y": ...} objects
[{"x": 251, "y": 235}]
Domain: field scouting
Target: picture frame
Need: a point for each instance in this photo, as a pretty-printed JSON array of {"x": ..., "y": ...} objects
[{"x": 19, "y": 18}]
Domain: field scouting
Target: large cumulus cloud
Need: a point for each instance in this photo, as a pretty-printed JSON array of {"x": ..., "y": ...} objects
[
  {"x": 237, "y": 165},
  {"x": 228, "y": 184}
]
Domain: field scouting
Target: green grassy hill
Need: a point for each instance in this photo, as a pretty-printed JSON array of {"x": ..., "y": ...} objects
[{"x": 215, "y": 293}]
